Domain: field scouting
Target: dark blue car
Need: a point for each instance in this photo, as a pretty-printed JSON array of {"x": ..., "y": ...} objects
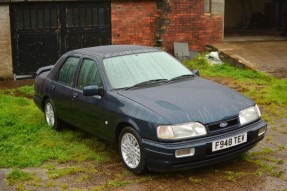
[{"x": 161, "y": 115}]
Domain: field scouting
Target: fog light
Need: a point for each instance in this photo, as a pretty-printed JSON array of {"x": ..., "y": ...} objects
[
  {"x": 184, "y": 152},
  {"x": 261, "y": 131}
]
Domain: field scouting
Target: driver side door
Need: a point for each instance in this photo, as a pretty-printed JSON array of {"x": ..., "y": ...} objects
[{"x": 89, "y": 109}]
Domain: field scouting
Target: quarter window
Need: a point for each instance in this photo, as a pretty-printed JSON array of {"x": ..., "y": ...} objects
[
  {"x": 67, "y": 71},
  {"x": 89, "y": 74}
]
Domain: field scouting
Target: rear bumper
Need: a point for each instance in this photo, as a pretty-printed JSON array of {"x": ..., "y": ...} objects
[{"x": 161, "y": 156}]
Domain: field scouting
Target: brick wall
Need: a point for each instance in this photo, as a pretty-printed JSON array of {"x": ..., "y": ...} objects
[
  {"x": 133, "y": 22},
  {"x": 162, "y": 22},
  {"x": 5, "y": 44}
]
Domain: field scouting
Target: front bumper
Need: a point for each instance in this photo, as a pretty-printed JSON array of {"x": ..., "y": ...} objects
[{"x": 161, "y": 156}]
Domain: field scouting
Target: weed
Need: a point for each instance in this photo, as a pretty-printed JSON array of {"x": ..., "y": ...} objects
[
  {"x": 78, "y": 189},
  {"x": 263, "y": 151},
  {"x": 50, "y": 184},
  {"x": 64, "y": 186},
  {"x": 18, "y": 176},
  {"x": 281, "y": 147},
  {"x": 116, "y": 183},
  {"x": 277, "y": 174},
  {"x": 259, "y": 173},
  {"x": 20, "y": 187},
  {"x": 232, "y": 176},
  {"x": 283, "y": 132},
  {"x": 36, "y": 182},
  {"x": 194, "y": 180},
  {"x": 59, "y": 172},
  {"x": 83, "y": 178},
  {"x": 267, "y": 163}
]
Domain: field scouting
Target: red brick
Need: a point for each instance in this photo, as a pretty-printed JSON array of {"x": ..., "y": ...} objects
[{"x": 136, "y": 22}]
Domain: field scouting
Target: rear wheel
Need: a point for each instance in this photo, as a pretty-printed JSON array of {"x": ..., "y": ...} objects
[
  {"x": 50, "y": 115},
  {"x": 131, "y": 150}
]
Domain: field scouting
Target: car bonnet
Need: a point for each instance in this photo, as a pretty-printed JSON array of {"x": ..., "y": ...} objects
[{"x": 195, "y": 99}]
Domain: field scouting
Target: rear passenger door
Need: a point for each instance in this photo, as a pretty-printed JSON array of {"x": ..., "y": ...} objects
[
  {"x": 61, "y": 89},
  {"x": 89, "y": 109}
]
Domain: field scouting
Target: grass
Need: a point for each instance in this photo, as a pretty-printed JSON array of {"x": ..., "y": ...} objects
[
  {"x": 26, "y": 140},
  {"x": 29, "y": 90}
]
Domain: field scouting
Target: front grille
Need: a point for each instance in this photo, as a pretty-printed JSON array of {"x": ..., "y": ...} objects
[{"x": 231, "y": 123}]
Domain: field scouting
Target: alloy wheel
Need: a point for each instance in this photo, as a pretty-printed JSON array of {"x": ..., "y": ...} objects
[{"x": 130, "y": 150}]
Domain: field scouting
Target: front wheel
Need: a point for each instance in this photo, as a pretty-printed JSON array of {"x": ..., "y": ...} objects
[{"x": 131, "y": 150}]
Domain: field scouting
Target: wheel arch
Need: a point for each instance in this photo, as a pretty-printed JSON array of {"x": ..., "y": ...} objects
[
  {"x": 120, "y": 126},
  {"x": 45, "y": 97}
]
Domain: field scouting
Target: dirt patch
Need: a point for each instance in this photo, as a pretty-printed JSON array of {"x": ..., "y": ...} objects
[
  {"x": 231, "y": 175},
  {"x": 11, "y": 87},
  {"x": 17, "y": 93},
  {"x": 13, "y": 84}
]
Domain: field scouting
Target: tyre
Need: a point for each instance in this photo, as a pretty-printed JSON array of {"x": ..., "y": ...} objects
[
  {"x": 51, "y": 115},
  {"x": 131, "y": 150}
]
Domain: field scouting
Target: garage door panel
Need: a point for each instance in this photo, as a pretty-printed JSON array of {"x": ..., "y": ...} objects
[
  {"x": 73, "y": 41},
  {"x": 39, "y": 51},
  {"x": 87, "y": 39},
  {"x": 57, "y": 27}
]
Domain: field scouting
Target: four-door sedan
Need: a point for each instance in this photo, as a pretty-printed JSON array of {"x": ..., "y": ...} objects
[{"x": 162, "y": 116}]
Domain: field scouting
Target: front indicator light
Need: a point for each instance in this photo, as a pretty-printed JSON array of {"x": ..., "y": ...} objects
[
  {"x": 184, "y": 152},
  {"x": 261, "y": 131}
]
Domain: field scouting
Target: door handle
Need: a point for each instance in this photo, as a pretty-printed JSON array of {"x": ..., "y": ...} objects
[
  {"x": 53, "y": 87},
  {"x": 75, "y": 95}
]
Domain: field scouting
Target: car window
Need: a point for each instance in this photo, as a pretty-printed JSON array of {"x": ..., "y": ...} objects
[
  {"x": 67, "y": 71},
  {"x": 126, "y": 71},
  {"x": 89, "y": 74}
]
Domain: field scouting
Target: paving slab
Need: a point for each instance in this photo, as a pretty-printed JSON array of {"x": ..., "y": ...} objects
[{"x": 269, "y": 56}]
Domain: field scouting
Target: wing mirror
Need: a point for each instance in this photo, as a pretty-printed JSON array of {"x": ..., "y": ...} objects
[
  {"x": 196, "y": 72},
  {"x": 93, "y": 90}
]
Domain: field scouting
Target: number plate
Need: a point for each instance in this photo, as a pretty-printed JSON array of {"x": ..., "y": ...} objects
[{"x": 229, "y": 142}]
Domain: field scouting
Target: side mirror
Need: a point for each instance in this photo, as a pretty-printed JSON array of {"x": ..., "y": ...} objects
[
  {"x": 196, "y": 72},
  {"x": 93, "y": 90}
]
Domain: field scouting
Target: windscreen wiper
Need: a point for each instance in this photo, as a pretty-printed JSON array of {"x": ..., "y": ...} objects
[
  {"x": 148, "y": 82},
  {"x": 180, "y": 77}
]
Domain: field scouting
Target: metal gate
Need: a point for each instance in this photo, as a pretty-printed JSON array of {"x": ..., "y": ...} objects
[{"x": 42, "y": 32}]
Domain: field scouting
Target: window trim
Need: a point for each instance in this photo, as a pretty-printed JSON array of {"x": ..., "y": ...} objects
[{"x": 79, "y": 70}]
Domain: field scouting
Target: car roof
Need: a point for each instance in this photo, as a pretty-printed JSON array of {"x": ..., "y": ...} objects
[{"x": 114, "y": 50}]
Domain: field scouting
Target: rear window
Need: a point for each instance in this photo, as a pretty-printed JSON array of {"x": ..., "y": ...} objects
[{"x": 67, "y": 71}]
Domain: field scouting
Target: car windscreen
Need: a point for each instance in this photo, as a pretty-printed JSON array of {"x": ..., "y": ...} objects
[{"x": 129, "y": 70}]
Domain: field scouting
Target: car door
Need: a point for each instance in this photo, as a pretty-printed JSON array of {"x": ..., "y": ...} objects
[
  {"x": 89, "y": 110},
  {"x": 61, "y": 89}
]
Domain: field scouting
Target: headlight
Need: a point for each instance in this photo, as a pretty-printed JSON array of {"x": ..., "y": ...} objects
[
  {"x": 248, "y": 115},
  {"x": 180, "y": 131}
]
